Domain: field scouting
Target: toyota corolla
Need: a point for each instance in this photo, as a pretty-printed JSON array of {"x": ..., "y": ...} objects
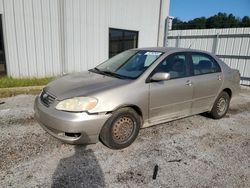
[{"x": 135, "y": 89}]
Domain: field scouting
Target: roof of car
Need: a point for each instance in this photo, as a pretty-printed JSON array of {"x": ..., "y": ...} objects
[{"x": 167, "y": 49}]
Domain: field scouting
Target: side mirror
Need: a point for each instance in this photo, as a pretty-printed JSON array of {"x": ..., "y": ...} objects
[{"x": 160, "y": 76}]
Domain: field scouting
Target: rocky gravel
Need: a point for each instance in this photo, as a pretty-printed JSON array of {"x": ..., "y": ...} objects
[{"x": 192, "y": 152}]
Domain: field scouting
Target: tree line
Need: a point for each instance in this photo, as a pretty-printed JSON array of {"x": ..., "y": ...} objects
[{"x": 220, "y": 20}]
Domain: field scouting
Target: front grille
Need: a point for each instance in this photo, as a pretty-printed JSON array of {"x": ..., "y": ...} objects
[{"x": 47, "y": 99}]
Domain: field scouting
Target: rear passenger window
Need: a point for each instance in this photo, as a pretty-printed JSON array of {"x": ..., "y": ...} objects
[{"x": 204, "y": 64}]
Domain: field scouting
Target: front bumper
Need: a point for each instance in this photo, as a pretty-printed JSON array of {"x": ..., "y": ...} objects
[{"x": 72, "y": 128}]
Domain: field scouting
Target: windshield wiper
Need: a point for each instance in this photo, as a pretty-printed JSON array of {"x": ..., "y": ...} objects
[
  {"x": 113, "y": 74},
  {"x": 97, "y": 70},
  {"x": 107, "y": 73}
]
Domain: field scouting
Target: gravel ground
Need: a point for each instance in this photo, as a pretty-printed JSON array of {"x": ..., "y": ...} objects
[{"x": 191, "y": 152}]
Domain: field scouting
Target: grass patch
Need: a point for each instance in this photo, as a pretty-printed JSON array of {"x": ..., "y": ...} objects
[
  {"x": 7, "y": 82},
  {"x": 10, "y": 92}
]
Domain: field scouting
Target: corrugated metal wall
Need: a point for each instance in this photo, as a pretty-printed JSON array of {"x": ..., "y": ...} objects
[
  {"x": 87, "y": 23},
  {"x": 31, "y": 33},
  {"x": 232, "y": 45},
  {"x": 48, "y": 37}
]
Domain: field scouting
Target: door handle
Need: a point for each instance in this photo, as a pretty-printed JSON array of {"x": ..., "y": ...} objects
[
  {"x": 189, "y": 83},
  {"x": 219, "y": 77}
]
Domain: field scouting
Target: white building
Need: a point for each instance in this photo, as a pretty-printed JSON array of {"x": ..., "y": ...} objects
[{"x": 48, "y": 37}]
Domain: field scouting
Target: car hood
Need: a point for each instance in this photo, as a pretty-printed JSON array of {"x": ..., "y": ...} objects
[{"x": 82, "y": 84}]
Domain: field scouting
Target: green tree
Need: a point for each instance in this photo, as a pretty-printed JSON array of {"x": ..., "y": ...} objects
[
  {"x": 217, "y": 21},
  {"x": 245, "y": 21},
  {"x": 197, "y": 23},
  {"x": 232, "y": 21},
  {"x": 220, "y": 20},
  {"x": 177, "y": 24}
]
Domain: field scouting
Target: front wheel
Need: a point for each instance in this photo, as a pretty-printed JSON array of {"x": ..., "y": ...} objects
[
  {"x": 221, "y": 106},
  {"x": 121, "y": 129}
]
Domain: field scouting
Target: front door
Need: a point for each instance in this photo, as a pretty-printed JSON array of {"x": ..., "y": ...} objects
[{"x": 171, "y": 99}]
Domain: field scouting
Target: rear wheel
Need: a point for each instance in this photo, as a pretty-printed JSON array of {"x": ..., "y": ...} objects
[
  {"x": 121, "y": 129},
  {"x": 221, "y": 106}
]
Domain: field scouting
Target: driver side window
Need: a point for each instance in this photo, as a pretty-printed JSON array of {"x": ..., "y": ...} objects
[{"x": 176, "y": 65}]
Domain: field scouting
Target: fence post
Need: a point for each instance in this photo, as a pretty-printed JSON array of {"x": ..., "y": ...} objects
[
  {"x": 165, "y": 44},
  {"x": 215, "y": 43},
  {"x": 178, "y": 41}
]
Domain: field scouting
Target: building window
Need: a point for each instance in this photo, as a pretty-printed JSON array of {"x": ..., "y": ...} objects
[
  {"x": 3, "y": 70},
  {"x": 121, "y": 40}
]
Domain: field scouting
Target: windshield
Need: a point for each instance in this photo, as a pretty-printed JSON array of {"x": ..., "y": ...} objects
[{"x": 129, "y": 64}]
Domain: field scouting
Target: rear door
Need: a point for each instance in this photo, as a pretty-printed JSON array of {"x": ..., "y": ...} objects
[
  {"x": 207, "y": 81},
  {"x": 172, "y": 98}
]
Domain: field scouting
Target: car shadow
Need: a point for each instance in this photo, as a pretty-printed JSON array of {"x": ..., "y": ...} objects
[
  {"x": 80, "y": 170},
  {"x": 206, "y": 115}
]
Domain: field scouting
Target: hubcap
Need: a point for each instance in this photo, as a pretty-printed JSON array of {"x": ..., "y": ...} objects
[
  {"x": 122, "y": 129},
  {"x": 221, "y": 106}
]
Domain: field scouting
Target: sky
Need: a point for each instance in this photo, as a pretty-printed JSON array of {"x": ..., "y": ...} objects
[{"x": 190, "y": 9}]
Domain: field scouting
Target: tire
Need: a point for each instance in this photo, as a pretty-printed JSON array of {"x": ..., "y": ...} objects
[
  {"x": 121, "y": 129},
  {"x": 218, "y": 111}
]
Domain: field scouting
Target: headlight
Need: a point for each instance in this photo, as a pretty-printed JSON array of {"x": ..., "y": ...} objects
[{"x": 77, "y": 104}]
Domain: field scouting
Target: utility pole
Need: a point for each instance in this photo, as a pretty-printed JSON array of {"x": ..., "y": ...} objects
[{"x": 168, "y": 27}]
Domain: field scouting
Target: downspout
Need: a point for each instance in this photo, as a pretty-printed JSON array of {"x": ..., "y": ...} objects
[
  {"x": 163, "y": 14},
  {"x": 61, "y": 36},
  {"x": 159, "y": 23}
]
